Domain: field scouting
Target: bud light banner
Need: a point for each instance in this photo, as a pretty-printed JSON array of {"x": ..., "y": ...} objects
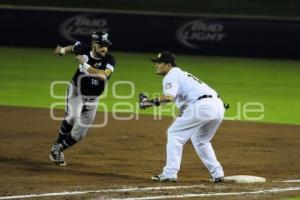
[
  {"x": 151, "y": 32},
  {"x": 193, "y": 33},
  {"x": 82, "y": 26}
]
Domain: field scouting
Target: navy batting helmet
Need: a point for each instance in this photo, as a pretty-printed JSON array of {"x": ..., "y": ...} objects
[{"x": 101, "y": 38}]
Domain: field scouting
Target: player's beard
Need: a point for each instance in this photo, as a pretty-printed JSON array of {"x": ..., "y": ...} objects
[{"x": 101, "y": 53}]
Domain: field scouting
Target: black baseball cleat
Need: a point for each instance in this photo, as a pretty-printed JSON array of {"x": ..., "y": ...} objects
[
  {"x": 218, "y": 180},
  {"x": 162, "y": 178},
  {"x": 57, "y": 156}
]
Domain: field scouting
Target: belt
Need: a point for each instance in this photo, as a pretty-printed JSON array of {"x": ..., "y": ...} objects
[
  {"x": 226, "y": 106},
  {"x": 205, "y": 96}
]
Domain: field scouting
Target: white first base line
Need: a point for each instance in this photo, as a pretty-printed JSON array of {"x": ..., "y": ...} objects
[
  {"x": 102, "y": 191},
  {"x": 291, "y": 181},
  {"x": 272, "y": 190}
]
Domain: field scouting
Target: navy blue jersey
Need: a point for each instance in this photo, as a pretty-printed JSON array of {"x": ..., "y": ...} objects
[{"x": 91, "y": 85}]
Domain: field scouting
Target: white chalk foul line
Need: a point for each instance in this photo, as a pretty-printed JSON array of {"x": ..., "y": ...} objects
[
  {"x": 152, "y": 188},
  {"x": 102, "y": 191},
  {"x": 292, "y": 181},
  {"x": 272, "y": 190}
]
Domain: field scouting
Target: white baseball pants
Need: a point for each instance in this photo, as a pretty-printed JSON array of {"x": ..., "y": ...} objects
[{"x": 199, "y": 123}]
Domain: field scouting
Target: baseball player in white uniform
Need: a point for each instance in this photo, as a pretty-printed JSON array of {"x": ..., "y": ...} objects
[{"x": 201, "y": 113}]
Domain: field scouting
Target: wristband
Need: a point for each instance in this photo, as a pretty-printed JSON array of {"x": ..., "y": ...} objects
[
  {"x": 62, "y": 50},
  {"x": 155, "y": 101},
  {"x": 85, "y": 67}
]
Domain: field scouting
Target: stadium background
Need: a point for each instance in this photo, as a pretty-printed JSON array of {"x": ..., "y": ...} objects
[{"x": 27, "y": 72}]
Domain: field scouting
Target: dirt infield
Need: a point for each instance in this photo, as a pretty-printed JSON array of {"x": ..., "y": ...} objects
[{"x": 125, "y": 154}]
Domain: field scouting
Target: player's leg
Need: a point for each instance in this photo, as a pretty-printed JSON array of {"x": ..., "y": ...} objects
[
  {"x": 64, "y": 140},
  {"x": 81, "y": 125},
  {"x": 178, "y": 134},
  {"x": 73, "y": 111},
  {"x": 206, "y": 152},
  {"x": 65, "y": 129},
  {"x": 212, "y": 118},
  {"x": 79, "y": 130},
  {"x": 86, "y": 119}
]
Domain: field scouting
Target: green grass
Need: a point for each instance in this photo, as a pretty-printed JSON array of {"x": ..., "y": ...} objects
[
  {"x": 27, "y": 73},
  {"x": 292, "y": 198}
]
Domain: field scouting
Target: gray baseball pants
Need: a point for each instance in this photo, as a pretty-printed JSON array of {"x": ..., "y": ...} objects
[{"x": 80, "y": 112}]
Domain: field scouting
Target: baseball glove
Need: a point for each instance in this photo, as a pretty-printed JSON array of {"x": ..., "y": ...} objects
[{"x": 144, "y": 101}]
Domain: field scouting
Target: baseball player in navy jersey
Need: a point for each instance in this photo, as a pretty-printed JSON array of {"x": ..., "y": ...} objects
[
  {"x": 202, "y": 112},
  {"x": 95, "y": 68}
]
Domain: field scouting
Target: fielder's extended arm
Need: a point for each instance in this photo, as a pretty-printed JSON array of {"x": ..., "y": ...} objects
[{"x": 144, "y": 102}]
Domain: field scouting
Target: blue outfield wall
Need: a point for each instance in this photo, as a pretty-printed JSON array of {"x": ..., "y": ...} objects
[{"x": 150, "y": 32}]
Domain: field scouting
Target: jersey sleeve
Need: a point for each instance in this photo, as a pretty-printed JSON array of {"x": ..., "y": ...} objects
[
  {"x": 170, "y": 84},
  {"x": 80, "y": 49}
]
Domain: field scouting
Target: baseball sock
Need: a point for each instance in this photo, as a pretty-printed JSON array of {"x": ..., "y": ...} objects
[
  {"x": 65, "y": 130},
  {"x": 64, "y": 138},
  {"x": 67, "y": 141}
]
